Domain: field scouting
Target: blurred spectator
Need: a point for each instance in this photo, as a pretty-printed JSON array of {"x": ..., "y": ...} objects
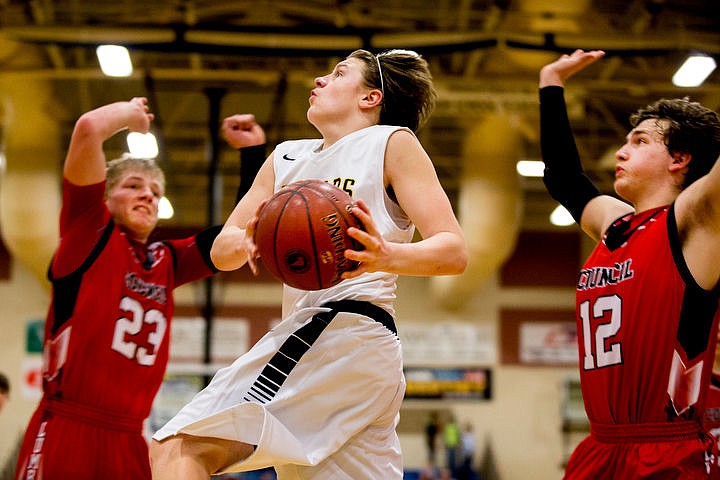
[
  {"x": 4, "y": 390},
  {"x": 467, "y": 446},
  {"x": 431, "y": 430},
  {"x": 451, "y": 437}
]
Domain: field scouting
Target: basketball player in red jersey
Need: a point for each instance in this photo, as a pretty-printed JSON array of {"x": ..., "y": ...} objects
[
  {"x": 647, "y": 297},
  {"x": 107, "y": 329}
]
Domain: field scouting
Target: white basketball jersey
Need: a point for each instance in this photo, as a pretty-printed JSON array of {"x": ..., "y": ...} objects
[{"x": 355, "y": 164}]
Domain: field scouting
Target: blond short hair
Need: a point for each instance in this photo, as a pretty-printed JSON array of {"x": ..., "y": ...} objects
[{"x": 116, "y": 169}]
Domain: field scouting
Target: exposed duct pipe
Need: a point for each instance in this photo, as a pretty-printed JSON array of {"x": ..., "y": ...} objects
[
  {"x": 30, "y": 185},
  {"x": 490, "y": 197},
  {"x": 489, "y": 206}
]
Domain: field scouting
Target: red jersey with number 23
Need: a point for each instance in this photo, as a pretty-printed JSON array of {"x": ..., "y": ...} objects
[
  {"x": 106, "y": 343},
  {"x": 107, "y": 332}
]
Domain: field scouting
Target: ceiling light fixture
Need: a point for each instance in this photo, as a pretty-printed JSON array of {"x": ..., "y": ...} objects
[
  {"x": 114, "y": 60},
  {"x": 694, "y": 71},
  {"x": 560, "y": 217},
  {"x": 142, "y": 145},
  {"x": 530, "y": 168},
  {"x": 165, "y": 208}
]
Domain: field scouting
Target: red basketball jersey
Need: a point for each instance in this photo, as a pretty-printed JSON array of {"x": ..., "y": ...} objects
[
  {"x": 107, "y": 330},
  {"x": 711, "y": 418},
  {"x": 106, "y": 343},
  {"x": 646, "y": 335},
  {"x": 646, "y": 330}
]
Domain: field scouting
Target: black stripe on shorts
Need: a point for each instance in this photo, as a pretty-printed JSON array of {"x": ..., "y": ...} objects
[{"x": 298, "y": 343}]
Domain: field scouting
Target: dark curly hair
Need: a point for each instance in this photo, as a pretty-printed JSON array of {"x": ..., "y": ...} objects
[
  {"x": 409, "y": 95},
  {"x": 691, "y": 128}
]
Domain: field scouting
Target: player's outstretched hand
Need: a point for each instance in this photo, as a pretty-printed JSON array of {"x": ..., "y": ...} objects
[
  {"x": 241, "y": 130},
  {"x": 375, "y": 256},
  {"x": 139, "y": 116},
  {"x": 557, "y": 72}
]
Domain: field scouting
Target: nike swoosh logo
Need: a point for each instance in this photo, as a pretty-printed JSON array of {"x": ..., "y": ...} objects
[{"x": 288, "y": 158}]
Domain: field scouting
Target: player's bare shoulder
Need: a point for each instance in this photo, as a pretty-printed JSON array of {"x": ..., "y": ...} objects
[
  {"x": 402, "y": 139},
  {"x": 404, "y": 154}
]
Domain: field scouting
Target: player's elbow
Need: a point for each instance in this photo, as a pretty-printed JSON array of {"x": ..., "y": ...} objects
[
  {"x": 457, "y": 259},
  {"x": 88, "y": 127},
  {"x": 461, "y": 261},
  {"x": 224, "y": 262},
  {"x": 221, "y": 258},
  {"x": 218, "y": 261}
]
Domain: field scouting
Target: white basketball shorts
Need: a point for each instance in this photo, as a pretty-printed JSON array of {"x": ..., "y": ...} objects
[{"x": 319, "y": 395}]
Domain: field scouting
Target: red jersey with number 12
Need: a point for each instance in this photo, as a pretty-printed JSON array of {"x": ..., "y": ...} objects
[{"x": 645, "y": 328}]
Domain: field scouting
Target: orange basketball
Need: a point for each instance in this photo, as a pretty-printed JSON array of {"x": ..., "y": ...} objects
[{"x": 301, "y": 234}]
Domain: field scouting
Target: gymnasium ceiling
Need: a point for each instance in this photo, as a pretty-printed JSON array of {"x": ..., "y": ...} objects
[{"x": 200, "y": 60}]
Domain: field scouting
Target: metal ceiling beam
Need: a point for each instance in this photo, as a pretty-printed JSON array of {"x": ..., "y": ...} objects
[{"x": 282, "y": 42}]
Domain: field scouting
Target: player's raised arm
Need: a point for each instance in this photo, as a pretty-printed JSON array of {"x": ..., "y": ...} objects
[
  {"x": 233, "y": 246},
  {"x": 243, "y": 133},
  {"x": 85, "y": 160},
  {"x": 564, "y": 177},
  {"x": 697, "y": 210}
]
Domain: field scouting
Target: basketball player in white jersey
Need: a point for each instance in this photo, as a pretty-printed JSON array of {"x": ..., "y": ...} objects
[{"x": 319, "y": 396}]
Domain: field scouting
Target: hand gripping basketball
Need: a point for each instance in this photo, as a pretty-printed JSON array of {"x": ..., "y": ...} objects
[{"x": 301, "y": 234}]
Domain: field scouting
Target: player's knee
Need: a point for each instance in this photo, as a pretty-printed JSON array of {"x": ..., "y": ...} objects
[
  {"x": 217, "y": 454},
  {"x": 206, "y": 454},
  {"x": 181, "y": 453},
  {"x": 161, "y": 452}
]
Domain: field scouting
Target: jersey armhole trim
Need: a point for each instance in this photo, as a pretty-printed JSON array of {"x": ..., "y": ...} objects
[
  {"x": 679, "y": 259},
  {"x": 94, "y": 253}
]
